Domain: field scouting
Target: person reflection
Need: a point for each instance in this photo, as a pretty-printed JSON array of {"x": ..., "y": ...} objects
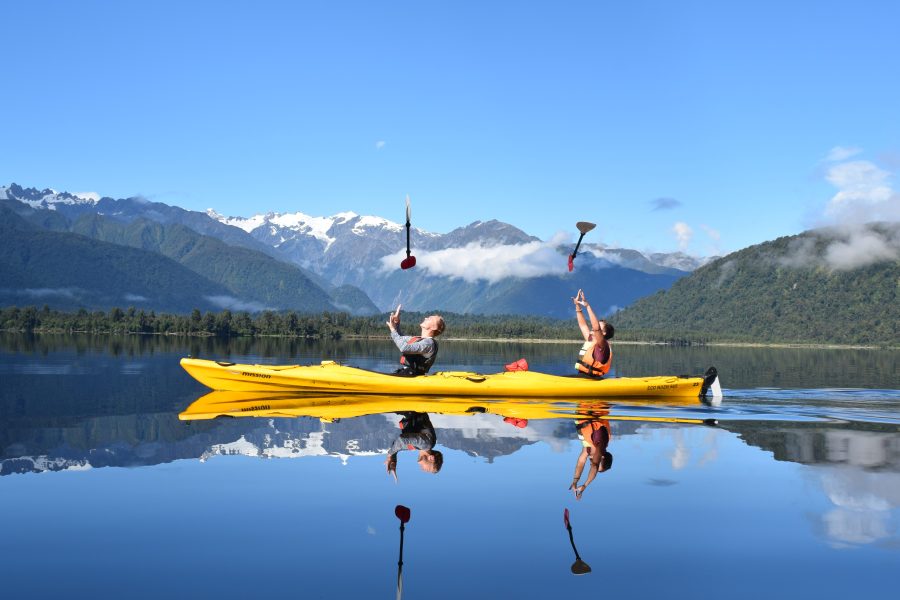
[
  {"x": 416, "y": 433},
  {"x": 594, "y": 433}
]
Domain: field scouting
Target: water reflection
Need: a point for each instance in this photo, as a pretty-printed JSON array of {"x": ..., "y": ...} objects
[
  {"x": 807, "y": 469},
  {"x": 416, "y": 433}
]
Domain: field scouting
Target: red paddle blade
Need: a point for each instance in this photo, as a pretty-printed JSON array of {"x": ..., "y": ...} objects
[
  {"x": 402, "y": 513},
  {"x": 566, "y": 518},
  {"x": 408, "y": 263},
  {"x": 571, "y": 263}
]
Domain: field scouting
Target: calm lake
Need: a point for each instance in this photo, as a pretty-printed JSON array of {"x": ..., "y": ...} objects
[{"x": 106, "y": 493}]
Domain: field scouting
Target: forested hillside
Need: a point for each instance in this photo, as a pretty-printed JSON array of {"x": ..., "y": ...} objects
[{"x": 826, "y": 286}]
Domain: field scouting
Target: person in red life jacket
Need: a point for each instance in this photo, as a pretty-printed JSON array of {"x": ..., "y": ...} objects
[
  {"x": 594, "y": 433},
  {"x": 416, "y": 433},
  {"x": 417, "y": 353},
  {"x": 595, "y": 356}
]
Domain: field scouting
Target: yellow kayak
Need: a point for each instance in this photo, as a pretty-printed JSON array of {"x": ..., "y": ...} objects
[
  {"x": 332, "y": 378},
  {"x": 333, "y": 407}
]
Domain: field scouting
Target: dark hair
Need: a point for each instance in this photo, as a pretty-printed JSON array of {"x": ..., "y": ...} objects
[
  {"x": 610, "y": 331},
  {"x": 606, "y": 461}
]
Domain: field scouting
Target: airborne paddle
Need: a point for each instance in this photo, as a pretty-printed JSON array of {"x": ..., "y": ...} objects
[
  {"x": 579, "y": 567},
  {"x": 403, "y": 513},
  {"x": 410, "y": 260},
  {"x": 583, "y": 227}
]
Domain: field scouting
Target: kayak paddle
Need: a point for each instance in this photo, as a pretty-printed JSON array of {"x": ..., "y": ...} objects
[
  {"x": 403, "y": 513},
  {"x": 583, "y": 227},
  {"x": 579, "y": 567},
  {"x": 410, "y": 260}
]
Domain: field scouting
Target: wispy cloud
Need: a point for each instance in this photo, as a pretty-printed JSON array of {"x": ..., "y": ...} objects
[
  {"x": 475, "y": 261},
  {"x": 380, "y": 144},
  {"x": 841, "y": 153},
  {"x": 135, "y": 298},
  {"x": 232, "y": 303},
  {"x": 683, "y": 233},
  {"x": 49, "y": 292},
  {"x": 664, "y": 203}
]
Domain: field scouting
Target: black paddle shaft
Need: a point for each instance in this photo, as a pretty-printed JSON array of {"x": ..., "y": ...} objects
[
  {"x": 407, "y": 239},
  {"x": 578, "y": 245},
  {"x": 572, "y": 540}
]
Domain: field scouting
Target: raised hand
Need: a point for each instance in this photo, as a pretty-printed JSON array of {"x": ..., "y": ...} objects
[{"x": 394, "y": 319}]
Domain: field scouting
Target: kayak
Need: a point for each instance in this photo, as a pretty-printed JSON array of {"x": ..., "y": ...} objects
[
  {"x": 331, "y": 377},
  {"x": 331, "y": 408}
]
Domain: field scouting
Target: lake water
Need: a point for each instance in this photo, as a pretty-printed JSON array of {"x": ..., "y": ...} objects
[{"x": 106, "y": 493}]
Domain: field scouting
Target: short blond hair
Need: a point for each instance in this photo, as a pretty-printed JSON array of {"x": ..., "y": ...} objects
[{"x": 440, "y": 325}]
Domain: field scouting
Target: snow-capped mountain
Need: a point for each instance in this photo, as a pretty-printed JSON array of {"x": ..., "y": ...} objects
[
  {"x": 484, "y": 267},
  {"x": 48, "y": 199}
]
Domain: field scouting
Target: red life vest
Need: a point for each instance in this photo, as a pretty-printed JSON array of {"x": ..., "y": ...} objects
[{"x": 587, "y": 364}]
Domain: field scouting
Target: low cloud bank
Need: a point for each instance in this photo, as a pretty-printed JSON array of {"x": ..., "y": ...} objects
[
  {"x": 48, "y": 292},
  {"x": 232, "y": 303},
  {"x": 475, "y": 261},
  {"x": 846, "y": 248}
]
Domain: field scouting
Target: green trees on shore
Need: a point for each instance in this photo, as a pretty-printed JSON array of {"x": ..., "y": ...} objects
[{"x": 326, "y": 325}]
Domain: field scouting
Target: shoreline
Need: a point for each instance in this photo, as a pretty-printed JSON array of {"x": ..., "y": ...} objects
[{"x": 720, "y": 344}]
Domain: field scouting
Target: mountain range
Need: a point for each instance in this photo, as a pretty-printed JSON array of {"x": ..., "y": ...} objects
[{"x": 301, "y": 262}]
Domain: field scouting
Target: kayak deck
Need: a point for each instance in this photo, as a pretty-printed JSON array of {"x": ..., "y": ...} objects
[{"x": 330, "y": 377}]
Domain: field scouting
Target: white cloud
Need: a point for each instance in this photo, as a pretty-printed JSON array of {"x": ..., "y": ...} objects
[
  {"x": 683, "y": 233},
  {"x": 232, "y": 303},
  {"x": 474, "y": 262},
  {"x": 135, "y": 298},
  {"x": 862, "y": 247},
  {"x": 380, "y": 144},
  {"x": 839, "y": 153},
  {"x": 864, "y": 194}
]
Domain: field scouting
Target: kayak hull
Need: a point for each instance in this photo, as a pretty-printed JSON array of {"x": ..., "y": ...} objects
[{"x": 332, "y": 378}]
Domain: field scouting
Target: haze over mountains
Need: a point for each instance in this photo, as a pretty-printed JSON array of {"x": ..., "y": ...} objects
[{"x": 296, "y": 261}]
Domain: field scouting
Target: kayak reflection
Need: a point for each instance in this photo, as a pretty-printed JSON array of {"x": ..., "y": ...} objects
[{"x": 328, "y": 408}]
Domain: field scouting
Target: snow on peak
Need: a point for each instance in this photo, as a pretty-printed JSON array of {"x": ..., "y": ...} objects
[{"x": 378, "y": 222}]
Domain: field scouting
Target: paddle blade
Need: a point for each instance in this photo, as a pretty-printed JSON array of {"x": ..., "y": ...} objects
[
  {"x": 571, "y": 262},
  {"x": 566, "y": 518},
  {"x": 584, "y": 226},
  {"x": 402, "y": 513},
  {"x": 408, "y": 263},
  {"x": 579, "y": 567},
  {"x": 408, "y": 210}
]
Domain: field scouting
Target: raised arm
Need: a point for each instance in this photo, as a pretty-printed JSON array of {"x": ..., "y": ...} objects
[
  {"x": 595, "y": 324},
  {"x": 579, "y": 302}
]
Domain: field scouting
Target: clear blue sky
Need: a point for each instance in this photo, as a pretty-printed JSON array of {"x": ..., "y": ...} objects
[{"x": 537, "y": 113}]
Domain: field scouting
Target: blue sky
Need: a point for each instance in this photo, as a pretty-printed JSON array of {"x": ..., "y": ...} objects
[{"x": 718, "y": 116}]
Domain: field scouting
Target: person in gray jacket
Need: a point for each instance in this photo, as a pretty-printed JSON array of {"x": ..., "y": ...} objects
[
  {"x": 417, "y": 353},
  {"x": 417, "y": 433}
]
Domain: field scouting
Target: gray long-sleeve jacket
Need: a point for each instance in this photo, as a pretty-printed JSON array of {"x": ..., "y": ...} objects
[{"x": 418, "y": 353}]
